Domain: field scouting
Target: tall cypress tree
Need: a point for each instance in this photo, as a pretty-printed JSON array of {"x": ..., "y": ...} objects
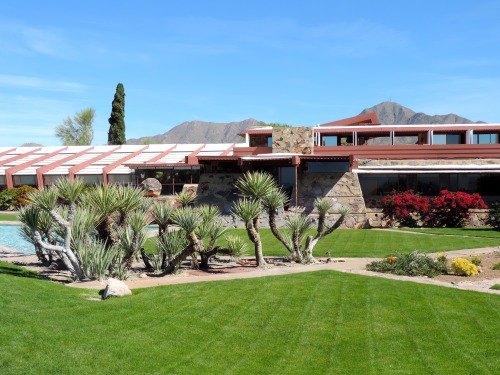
[{"x": 116, "y": 133}]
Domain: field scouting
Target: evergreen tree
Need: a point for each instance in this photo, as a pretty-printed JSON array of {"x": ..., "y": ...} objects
[{"x": 116, "y": 133}]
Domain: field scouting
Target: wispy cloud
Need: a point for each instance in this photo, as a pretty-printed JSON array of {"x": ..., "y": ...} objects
[
  {"x": 16, "y": 81},
  {"x": 21, "y": 38},
  {"x": 358, "y": 38}
]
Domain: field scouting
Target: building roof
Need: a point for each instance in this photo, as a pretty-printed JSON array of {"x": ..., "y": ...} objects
[
  {"x": 101, "y": 160},
  {"x": 363, "y": 119}
]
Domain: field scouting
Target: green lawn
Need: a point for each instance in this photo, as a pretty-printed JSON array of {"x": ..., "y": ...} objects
[
  {"x": 8, "y": 217},
  {"x": 474, "y": 232},
  {"x": 369, "y": 243},
  {"x": 310, "y": 323}
]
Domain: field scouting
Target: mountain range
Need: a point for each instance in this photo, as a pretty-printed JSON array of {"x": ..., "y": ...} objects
[{"x": 389, "y": 113}]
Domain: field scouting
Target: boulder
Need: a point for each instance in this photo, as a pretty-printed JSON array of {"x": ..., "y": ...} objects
[
  {"x": 116, "y": 288},
  {"x": 152, "y": 187}
]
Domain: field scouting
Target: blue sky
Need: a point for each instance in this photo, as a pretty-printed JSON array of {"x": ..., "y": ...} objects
[{"x": 300, "y": 63}]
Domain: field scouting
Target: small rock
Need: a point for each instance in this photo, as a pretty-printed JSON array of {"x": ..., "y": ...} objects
[
  {"x": 143, "y": 275},
  {"x": 116, "y": 288}
]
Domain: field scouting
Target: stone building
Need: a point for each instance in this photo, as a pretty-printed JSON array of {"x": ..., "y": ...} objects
[{"x": 354, "y": 161}]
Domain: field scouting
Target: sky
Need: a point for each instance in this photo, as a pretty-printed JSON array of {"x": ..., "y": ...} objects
[{"x": 293, "y": 62}]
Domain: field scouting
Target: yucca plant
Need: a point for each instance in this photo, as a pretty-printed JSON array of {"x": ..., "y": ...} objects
[
  {"x": 323, "y": 206},
  {"x": 170, "y": 245},
  {"x": 129, "y": 199},
  {"x": 298, "y": 225},
  {"x": 272, "y": 202},
  {"x": 66, "y": 193},
  {"x": 185, "y": 198},
  {"x": 104, "y": 201},
  {"x": 132, "y": 236},
  {"x": 236, "y": 245},
  {"x": 95, "y": 257},
  {"x": 32, "y": 218},
  {"x": 248, "y": 211},
  {"x": 255, "y": 185},
  {"x": 162, "y": 215}
]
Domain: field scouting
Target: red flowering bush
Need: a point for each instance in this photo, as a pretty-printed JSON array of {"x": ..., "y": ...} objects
[
  {"x": 452, "y": 209},
  {"x": 404, "y": 207}
]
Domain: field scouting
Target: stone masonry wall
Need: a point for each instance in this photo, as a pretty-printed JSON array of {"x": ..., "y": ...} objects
[
  {"x": 343, "y": 188},
  {"x": 293, "y": 140},
  {"x": 218, "y": 189}
]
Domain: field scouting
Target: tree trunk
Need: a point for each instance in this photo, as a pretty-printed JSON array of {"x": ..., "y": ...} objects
[
  {"x": 254, "y": 236},
  {"x": 174, "y": 263},
  {"x": 145, "y": 259}
]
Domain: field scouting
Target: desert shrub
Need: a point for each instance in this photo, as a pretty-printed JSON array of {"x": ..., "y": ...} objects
[
  {"x": 494, "y": 217},
  {"x": 7, "y": 198},
  {"x": 463, "y": 267},
  {"x": 10, "y": 199},
  {"x": 441, "y": 257},
  {"x": 21, "y": 198},
  {"x": 496, "y": 266},
  {"x": 452, "y": 209},
  {"x": 475, "y": 260},
  {"x": 495, "y": 287},
  {"x": 404, "y": 207},
  {"x": 413, "y": 264}
]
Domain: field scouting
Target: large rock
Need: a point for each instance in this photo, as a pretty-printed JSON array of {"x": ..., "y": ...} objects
[
  {"x": 116, "y": 288},
  {"x": 152, "y": 187}
]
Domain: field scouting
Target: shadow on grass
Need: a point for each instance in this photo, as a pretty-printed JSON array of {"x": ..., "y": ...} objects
[{"x": 11, "y": 270}]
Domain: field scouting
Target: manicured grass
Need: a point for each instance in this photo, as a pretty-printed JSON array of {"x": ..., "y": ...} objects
[
  {"x": 310, "y": 323},
  {"x": 474, "y": 232},
  {"x": 8, "y": 217},
  {"x": 368, "y": 243}
]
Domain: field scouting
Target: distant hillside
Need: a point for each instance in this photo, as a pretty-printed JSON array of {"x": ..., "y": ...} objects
[
  {"x": 200, "y": 132},
  {"x": 390, "y": 113}
]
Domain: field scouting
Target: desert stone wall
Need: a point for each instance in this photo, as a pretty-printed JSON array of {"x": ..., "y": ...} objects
[
  {"x": 218, "y": 189},
  {"x": 343, "y": 188},
  {"x": 298, "y": 140}
]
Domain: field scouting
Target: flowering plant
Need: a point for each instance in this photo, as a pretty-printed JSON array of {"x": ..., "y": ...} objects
[
  {"x": 452, "y": 209},
  {"x": 404, "y": 207}
]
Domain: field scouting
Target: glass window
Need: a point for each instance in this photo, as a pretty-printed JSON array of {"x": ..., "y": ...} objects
[
  {"x": 92, "y": 179},
  {"x": 24, "y": 180},
  {"x": 486, "y": 138},
  {"x": 120, "y": 179},
  {"x": 327, "y": 167},
  {"x": 329, "y": 140},
  {"x": 447, "y": 139}
]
